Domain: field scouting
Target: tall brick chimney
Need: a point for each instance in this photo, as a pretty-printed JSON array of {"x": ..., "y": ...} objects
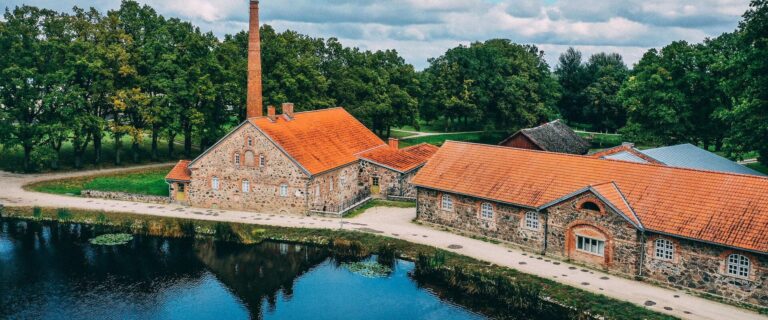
[{"x": 254, "y": 107}]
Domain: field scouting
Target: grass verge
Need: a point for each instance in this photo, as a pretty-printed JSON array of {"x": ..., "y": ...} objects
[
  {"x": 145, "y": 181},
  {"x": 577, "y": 301},
  {"x": 758, "y": 167},
  {"x": 379, "y": 203},
  {"x": 438, "y": 140}
]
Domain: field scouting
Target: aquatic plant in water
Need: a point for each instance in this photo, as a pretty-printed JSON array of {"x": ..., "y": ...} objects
[
  {"x": 112, "y": 239},
  {"x": 368, "y": 269}
]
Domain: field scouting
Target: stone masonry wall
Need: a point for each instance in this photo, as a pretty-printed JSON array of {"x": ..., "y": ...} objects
[
  {"x": 265, "y": 181},
  {"x": 567, "y": 220},
  {"x": 124, "y": 196},
  {"x": 334, "y": 190},
  {"x": 701, "y": 266},
  {"x": 391, "y": 182},
  {"x": 508, "y": 222}
]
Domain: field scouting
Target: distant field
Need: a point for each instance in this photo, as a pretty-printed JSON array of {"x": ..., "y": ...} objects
[
  {"x": 438, "y": 140},
  {"x": 148, "y": 182},
  {"x": 11, "y": 159},
  {"x": 758, "y": 167}
]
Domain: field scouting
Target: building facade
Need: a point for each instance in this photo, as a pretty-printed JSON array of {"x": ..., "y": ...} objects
[{"x": 694, "y": 242}]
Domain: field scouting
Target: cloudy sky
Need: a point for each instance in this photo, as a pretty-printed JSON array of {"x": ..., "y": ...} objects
[{"x": 420, "y": 29}]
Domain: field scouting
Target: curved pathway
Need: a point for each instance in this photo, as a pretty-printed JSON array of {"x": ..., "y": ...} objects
[{"x": 396, "y": 223}]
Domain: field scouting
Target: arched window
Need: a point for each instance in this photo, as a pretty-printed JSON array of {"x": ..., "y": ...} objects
[
  {"x": 486, "y": 211},
  {"x": 237, "y": 159},
  {"x": 589, "y": 205},
  {"x": 532, "y": 220},
  {"x": 215, "y": 183},
  {"x": 250, "y": 160},
  {"x": 665, "y": 250},
  {"x": 246, "y": 186},
  {"x": 738, "y": 265},
  {"x": 447, "y": 203}
]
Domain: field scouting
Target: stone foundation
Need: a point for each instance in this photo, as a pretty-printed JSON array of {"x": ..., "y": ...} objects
[{"x": 124, "y": 196}]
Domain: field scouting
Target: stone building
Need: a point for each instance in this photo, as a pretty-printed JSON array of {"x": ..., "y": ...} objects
[
  {"x": 554, "y": 136},
  {"x": 707, "y": 231},
  {"x": 322, "y": 161}
]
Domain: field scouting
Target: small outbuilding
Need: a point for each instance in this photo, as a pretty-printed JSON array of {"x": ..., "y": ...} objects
[{"x": 553, "y": 136}]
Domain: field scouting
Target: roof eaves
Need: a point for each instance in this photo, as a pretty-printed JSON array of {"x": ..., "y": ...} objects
[
  {"x": 706, "y": 241},
  {"x": 380, "y": 164},
  {"x": 478, "y": 197},
  {"x": 279, "y": 147}
]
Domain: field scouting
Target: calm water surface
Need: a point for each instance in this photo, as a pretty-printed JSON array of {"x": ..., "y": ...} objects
[{"x": 50, "y": 271}]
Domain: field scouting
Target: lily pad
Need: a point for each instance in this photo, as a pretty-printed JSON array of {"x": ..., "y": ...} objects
[
  {"x": 112, "y": 239},
  {"x": 370, "y": 269}
]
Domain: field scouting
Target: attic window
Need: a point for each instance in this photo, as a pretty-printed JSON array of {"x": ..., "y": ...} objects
[{"x": 589, "y": 205}]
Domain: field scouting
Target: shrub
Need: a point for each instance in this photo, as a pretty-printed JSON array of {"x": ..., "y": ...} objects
[
  {"x": 37, "y": 212},
  {"x": 63, "y": 214}
]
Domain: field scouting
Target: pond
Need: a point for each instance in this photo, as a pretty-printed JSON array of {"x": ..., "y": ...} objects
[{"x": 51, "y": 271}]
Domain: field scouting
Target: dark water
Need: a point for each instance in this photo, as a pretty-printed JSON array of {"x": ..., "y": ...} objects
[{"x": 50, "y": 271}]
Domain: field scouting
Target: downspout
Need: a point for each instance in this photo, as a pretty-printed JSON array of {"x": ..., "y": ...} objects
[
  {"x": 546, "y": 230},
  {"x": 642, "y": 254},
  {"x": 306, "y": 195}
]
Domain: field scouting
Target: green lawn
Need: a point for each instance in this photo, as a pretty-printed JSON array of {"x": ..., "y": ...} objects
[
  {"x": 759, "y": 167},
  {"x": 438, "y": 140},
  {"x": 148, "y": 182},
  {"x": 379, "y": 203},
  {"x": 11, "y": 159},
  {"x": 602, "y": 140},
  {"x": 399, "y": 134}
]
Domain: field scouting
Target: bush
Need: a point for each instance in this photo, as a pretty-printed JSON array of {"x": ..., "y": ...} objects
[
  {"x": 37, "y": 212},
  {"x": 63, "y": 214}
]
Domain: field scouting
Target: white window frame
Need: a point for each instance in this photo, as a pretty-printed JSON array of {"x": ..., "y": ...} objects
[
  {"x": 262, "y": 160},
  {"x": 342, "y": 181},
  {"x": 237, "y": 158},
  {"x": 215, "y": 183},
  {"x": 446, "y": 202},
  {"x": 250, "y": 142},
  {"x": 246, "y": 186},
  {"x": 738, "y": 265},
  {"x": 590, "y": 245},
  {"x": 664, "y": 249},
  {"x": 283, "y": 190},
  {"x": 330, "y": 184},
  {"x": 486, "y": 211},
  {"x": 532, "y": 220}
]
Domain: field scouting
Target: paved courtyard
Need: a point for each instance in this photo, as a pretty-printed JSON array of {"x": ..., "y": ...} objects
[{"x": 396, "y": 223}]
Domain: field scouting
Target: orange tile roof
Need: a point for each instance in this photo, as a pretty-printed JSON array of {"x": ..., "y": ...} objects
[
  {"x": 613, "y": 196},
  {"x": 180, "y": 172},
  {"x": 402, "y": 160},
  {"x": 722, "y": 208},
  {"x": 320, "y": 140}
]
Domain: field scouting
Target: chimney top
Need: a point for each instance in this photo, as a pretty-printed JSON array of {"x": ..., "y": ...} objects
[
  {"x": 271, "y": 113},
  {"x": 394, "y": 143},
  {"x": 288, "y": 110}
]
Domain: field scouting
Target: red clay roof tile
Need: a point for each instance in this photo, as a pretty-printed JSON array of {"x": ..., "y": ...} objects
[
  {"x": 320, "y": 140},
  {"x": 402, "y": 160},
  {"x": 722, "y": 208},
  {"x": 180, "y": 172}
]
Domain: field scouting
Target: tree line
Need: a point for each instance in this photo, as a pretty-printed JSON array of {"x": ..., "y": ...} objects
[{"x": 82, "y": 77}]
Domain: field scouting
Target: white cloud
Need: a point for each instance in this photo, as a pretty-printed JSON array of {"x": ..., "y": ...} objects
[{"x": 420, "y": 29}]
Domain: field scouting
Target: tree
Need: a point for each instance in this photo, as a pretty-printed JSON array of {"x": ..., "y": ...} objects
[
  {"x": 602, "y": 108},
  {"x": 572, "y": 77},
  {"x": 749, "y": 115}
]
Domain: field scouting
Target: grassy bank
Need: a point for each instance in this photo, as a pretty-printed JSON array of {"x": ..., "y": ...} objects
[
  {"x": 758, "y": 167},
  {"x": 438, "y": 140},
  {"x": 379, "y": 203},
  {"x": 470, "y": 276},
  {"x": 146, "y": 181}
]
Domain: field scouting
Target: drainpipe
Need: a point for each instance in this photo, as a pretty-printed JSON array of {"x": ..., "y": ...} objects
[
  {"x": 546, "y": 230},
  {"x": 306, "y": 196},
  {"x": 642, "y": 254}
]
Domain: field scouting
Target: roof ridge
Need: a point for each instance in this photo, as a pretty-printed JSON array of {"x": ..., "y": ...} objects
[
  {"x": 302, "y": 112},
  {"x": 627, "y": 162},
  {"x": 626, "y": 202}
]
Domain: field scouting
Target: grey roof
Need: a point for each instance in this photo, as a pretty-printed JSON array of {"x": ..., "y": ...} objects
[
  {"x": 625, "y": 156},
  {"x": 556, "y": 136},
  {"x": 693, "y": 157}
]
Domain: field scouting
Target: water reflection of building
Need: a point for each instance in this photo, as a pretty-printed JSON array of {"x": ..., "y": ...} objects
[{"x": 257, "y": 273}]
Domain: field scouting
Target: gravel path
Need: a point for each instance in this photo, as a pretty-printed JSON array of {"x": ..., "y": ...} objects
[{"x": 396, "y": 223}]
